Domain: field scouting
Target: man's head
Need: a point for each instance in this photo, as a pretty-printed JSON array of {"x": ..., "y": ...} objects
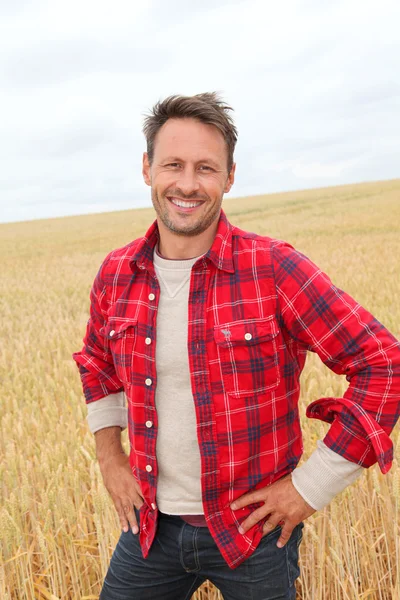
[
  {"x": 206, "y": 108},
  {"x": 189, "y": 161}
]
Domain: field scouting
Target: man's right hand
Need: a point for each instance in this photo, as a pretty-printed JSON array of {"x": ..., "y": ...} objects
[{"x": 117, "y": 476}]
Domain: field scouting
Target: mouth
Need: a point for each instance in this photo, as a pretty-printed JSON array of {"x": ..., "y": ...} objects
[{"x": 185, "y": 205}]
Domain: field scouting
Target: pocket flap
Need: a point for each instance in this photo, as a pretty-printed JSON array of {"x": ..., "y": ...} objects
[{"x": 248, "y": 331}]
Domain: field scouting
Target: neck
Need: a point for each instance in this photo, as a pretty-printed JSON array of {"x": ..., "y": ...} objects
[{"x": 183, "y": 247}]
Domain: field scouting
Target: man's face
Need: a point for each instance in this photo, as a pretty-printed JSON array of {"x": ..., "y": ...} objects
[{"x": 188, "y": 175}]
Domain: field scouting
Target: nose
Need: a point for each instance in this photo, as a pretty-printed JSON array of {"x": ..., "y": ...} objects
[{"x": 187, "y": 181}]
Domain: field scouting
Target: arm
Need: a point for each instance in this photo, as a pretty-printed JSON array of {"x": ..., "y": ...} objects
[
  {"x": 350, "y": 341},
  {"x": 102, "y": 388}
]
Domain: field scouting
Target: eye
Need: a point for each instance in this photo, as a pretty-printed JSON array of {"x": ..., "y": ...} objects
[
  {"x": 173, "y": 165},
  {"x": 205, "y": 168}
]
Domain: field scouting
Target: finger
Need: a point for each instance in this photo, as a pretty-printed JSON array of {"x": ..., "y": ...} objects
[
  {"x": 130, "y": 515},
  {"x": 271, "y": 523},
  {"x": 286, "y": 532},
  {"x": 247, "y": 499},
  {"x": 138, "y": 500},
  {"x": 122, "y": 517},
  {"x": 253, "y": 518}
]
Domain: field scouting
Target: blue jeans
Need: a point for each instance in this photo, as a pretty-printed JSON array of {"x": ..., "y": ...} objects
[{"x": 182, "y": 557}]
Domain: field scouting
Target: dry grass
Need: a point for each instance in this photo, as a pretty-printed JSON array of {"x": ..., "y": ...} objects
[{"x": 57, "y": 524}]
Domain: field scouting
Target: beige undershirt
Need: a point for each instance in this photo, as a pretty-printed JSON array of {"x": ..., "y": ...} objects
[
  {"x": 318, "y": 480},
  {"x": 178, "y": 454}
]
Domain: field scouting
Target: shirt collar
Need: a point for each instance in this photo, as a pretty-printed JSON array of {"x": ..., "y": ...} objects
[{"x": 220, "y": 253}]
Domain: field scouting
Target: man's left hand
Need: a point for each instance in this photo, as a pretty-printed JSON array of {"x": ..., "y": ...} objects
[{"x": 283, "y": 505}]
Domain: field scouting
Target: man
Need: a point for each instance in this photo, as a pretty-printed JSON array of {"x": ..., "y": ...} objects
[{"x": 205, "y": 329}]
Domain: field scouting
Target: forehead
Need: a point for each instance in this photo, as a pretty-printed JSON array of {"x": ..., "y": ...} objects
[{"x": 189, "y": 138}]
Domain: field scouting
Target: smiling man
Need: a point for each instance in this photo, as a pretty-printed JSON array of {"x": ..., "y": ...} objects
[{"x": 205, "y": 329}]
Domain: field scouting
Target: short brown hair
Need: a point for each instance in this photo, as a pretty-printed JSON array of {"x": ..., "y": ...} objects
[{"x": 207, "y": 108}]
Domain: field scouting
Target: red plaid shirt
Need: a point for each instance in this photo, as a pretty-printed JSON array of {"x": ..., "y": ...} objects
[{"x": 256, "y": 306}]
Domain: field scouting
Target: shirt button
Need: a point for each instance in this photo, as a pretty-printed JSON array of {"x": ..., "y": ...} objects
[
  {"x": 112, "y": 332},
  {"x": 152, "y": 297},
  {"x": 149, "y": 468},
  {"x": 147, "y": 341},
  {"x": 148, "y": 381},
  {"x": 149, "y": 424},
  {"x": 247, "y": 336},
  {"x": 153, "y": 506}
]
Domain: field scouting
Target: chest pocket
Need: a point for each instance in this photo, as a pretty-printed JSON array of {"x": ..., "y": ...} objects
[
  {"x": 248, "y": 356},
  {"x": 121, "y": 339}
]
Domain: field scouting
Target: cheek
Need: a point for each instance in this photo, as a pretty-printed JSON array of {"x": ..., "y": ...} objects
[
  {"x": 212, "y": 185},
  {"x": 219, "y": 183},
  {"x": 163, "y": 182},
  {"x": 215, "y": 190}
]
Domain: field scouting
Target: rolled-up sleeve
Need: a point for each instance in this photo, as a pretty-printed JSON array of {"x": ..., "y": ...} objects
[
  {"x": 95, "y": 361},
  {"x": 351, "y": 342},
  {"x": 109, "y": 411}
]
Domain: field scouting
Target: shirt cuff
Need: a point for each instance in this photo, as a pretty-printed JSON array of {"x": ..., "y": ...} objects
[
  {"x": 109, "y": 411},
  {"x": 324, "y": 475}
]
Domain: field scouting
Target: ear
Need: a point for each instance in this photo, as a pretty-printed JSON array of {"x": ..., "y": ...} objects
[
  {"x": 146, "y": 169},
  {"x": 231, "y": 178}
]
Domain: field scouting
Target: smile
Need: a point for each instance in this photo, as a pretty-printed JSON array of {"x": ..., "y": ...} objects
[{"x": 184, "y": 203}]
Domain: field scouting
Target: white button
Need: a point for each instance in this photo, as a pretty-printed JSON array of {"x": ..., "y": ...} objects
[
  {"x": 149, "y": 468},
  {"x": 148, "y": 381},
  {"x": 149, "y": 424},
  {"x": 152, "y": 297},
  {"x": 247, "y": 336},
  {"x": 112, "y": 332},
  {"x": 153, "y": 506},
  {"x": 147, "y": 341}
]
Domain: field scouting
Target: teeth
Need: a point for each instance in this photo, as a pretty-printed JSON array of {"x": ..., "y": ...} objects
[{"x": 183, "y": 204}]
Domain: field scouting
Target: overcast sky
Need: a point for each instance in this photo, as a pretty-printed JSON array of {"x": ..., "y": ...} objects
[{"x": 315, "y": 86}]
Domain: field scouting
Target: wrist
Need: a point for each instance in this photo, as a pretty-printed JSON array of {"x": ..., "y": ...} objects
[{"x": 108, "y": 445}]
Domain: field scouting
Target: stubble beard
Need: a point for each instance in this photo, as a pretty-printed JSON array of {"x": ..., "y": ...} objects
[{"x": 196, "y": 228}]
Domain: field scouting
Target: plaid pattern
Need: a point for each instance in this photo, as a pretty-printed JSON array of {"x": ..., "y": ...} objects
[{"x": 256, "y": 306}]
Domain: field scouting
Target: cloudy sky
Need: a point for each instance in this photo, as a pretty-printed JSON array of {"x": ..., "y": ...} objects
[{"x": 315, "y": 86}]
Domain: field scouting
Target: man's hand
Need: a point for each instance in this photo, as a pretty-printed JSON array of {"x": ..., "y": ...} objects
[
  {"x": 282, "y": 505},
  {"x": 117, "y": 476}
]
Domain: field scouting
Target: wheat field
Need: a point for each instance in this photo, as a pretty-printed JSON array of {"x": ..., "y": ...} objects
[{"x": 57, "y": 524}]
